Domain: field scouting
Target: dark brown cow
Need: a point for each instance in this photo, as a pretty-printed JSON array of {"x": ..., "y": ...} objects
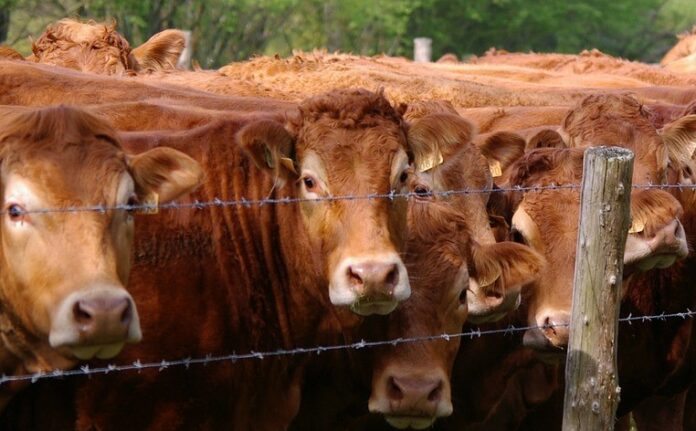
[
  {"x": 64, "y": 274},
  {"x": 99, "y": 48}
]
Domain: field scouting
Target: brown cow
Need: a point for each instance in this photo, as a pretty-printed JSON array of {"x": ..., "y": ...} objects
[
  {"x": 64, "y": 274},
  {"x": 257, "y": 277},
  {"x": 28, "y": 84},
  {"x": 450, "y": 254},
  {"x": 99, "y": 48}
]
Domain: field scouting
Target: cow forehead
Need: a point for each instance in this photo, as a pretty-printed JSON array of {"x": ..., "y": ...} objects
[{"x": 62, "y": 182}]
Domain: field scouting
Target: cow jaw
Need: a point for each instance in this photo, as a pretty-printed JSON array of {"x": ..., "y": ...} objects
[{"x": 105, "y": 351}]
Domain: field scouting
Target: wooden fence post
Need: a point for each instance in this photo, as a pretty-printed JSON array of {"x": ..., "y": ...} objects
[
  {"x": 591, "y": 389},
  {"x": 422, "y": 49}
]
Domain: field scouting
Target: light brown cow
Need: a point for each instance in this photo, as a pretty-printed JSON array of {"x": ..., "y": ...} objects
[
  {"x": 64, "y": 273},
  {"x": 99, "y": 48}
]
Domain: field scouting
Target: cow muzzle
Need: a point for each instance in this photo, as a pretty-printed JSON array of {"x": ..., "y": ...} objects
[
  {"x": 96, "y": 322},
  {"x": 490, "y": 305},
  {"x": 373, "y": 285},
  {"x": 412, "y": 401},
  {"x": 661, "y": 251},
  {"x": 550, "y": 338}
]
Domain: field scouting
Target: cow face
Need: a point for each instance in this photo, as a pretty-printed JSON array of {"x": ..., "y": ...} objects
[
  {"x": 547, "y": 221},
  {"x": 64, "y": 272},
  {"x": 447, "y": 265},
  {"x": 345, "y": 143}
]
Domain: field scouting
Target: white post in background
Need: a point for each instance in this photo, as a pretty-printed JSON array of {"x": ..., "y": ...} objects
[
  {"x": 422, "y": 49},
  {"x": 185, "y": 57}
]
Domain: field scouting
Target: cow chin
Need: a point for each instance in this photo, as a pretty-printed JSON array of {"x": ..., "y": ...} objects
[
  {"x": 370, "y": 308},
  {"x": 403, "y": 422},
  {"x": 106, "y": 351}
]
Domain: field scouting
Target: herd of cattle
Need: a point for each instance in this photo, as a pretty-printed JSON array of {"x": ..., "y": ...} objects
[{"x": 86, "y": 120}]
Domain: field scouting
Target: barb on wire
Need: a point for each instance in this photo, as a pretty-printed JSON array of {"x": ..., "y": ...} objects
[
  {"x": 243, "y": 202},
  {"x": 162, "y": 365}
]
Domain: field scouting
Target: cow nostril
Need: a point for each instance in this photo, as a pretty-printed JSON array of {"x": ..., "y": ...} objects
[
  {"x": 354, "y": 277},
  {"x": 548, "y": 327},
  {"x": 392, "y": 276},
  {"x": 127, "y": 314},
  {"x": 436, "y": 393},
  {"x": 394, "y": 392},
  {"x": 81, "y": 315}
]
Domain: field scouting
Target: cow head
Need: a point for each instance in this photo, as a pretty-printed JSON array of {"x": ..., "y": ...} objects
[
  {"x": 64, "y": 273},
  {"x": 547, "y": 221},
  {"x": 342, "y": 144},
  {"x": 447, "y": 265},
  {"x": 99, "y": 48}
]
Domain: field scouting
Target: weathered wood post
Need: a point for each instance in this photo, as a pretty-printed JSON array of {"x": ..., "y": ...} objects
[
  {"x": 592, "y": 390},
  {"x": 422, "y": 49}
]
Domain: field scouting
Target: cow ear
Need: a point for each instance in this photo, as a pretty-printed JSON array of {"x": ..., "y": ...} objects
[
  {"x": 547, "y": 138},
  {"x": 161, "y": 51},
  {"x": 509, "y": 264},
  {"x": 163, "y": 174},
  {"x": 502, "y": 149},
  {"x": 271, "y": 147},
  {"x": 680, "y": 138},
  {"x": 432, "y": 138}
]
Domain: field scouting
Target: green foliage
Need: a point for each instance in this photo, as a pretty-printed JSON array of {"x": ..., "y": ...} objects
[{"x": 227, "y": 30}]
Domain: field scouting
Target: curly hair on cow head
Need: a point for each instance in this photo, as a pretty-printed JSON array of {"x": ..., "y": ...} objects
[
  {"x": 546, "y": 166},
  {"x": 68, "y": 33},
  {"x": 346, "y": 108}
]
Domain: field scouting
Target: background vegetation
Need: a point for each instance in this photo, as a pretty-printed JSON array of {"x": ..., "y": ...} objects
[{"x": 228, "y": 30}]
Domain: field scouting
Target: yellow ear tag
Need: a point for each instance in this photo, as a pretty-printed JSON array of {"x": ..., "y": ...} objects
[
  {"x": 495, "y": 168},
  {"x": 637, "y": 226},
  {"x": 288, "y": 163},
  {"x": 150, "y": 204},
  {"x": 430, "y": 162},
  {"x": 268, "y": 157},
  {"x": 489, "y": 280}
]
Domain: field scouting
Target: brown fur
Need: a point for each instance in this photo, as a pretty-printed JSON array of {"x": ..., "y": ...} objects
[{"x": 9, "y": 53}]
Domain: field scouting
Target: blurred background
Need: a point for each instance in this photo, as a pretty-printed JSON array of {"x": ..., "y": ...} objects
[{"x": 229, "y": 30}]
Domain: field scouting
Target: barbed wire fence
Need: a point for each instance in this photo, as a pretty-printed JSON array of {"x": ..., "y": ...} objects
[{"x": 164, "y": 364}]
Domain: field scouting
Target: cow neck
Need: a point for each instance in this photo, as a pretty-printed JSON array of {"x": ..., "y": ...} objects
[{"x": 271, "y": 251}]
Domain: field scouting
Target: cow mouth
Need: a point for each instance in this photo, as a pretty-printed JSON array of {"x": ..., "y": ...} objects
[
  {"x": 367, "y": 308},
  {"x": 102, "y": 351},
  {"x": 414, "y": 422}
]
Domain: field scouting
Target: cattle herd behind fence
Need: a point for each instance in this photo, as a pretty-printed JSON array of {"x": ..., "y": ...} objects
[{"x": 271, "y": 286}]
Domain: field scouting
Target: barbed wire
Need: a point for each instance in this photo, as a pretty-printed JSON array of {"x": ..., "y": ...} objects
[
  {"x": 86, "y": 370},
  {"x": 217, "y": 202}
]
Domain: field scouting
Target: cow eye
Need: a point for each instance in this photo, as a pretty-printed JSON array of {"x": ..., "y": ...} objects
[
  {"x": 517, "y": 237},
  {"x": 309, "y": 182},
  {"x": 422, "y": 191},
  {"x": 404, "y": 176},
  {"x": 462, "y": 297},
  {"x": 131, "y": 204},
  {"x": 15, "y": 212}
]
